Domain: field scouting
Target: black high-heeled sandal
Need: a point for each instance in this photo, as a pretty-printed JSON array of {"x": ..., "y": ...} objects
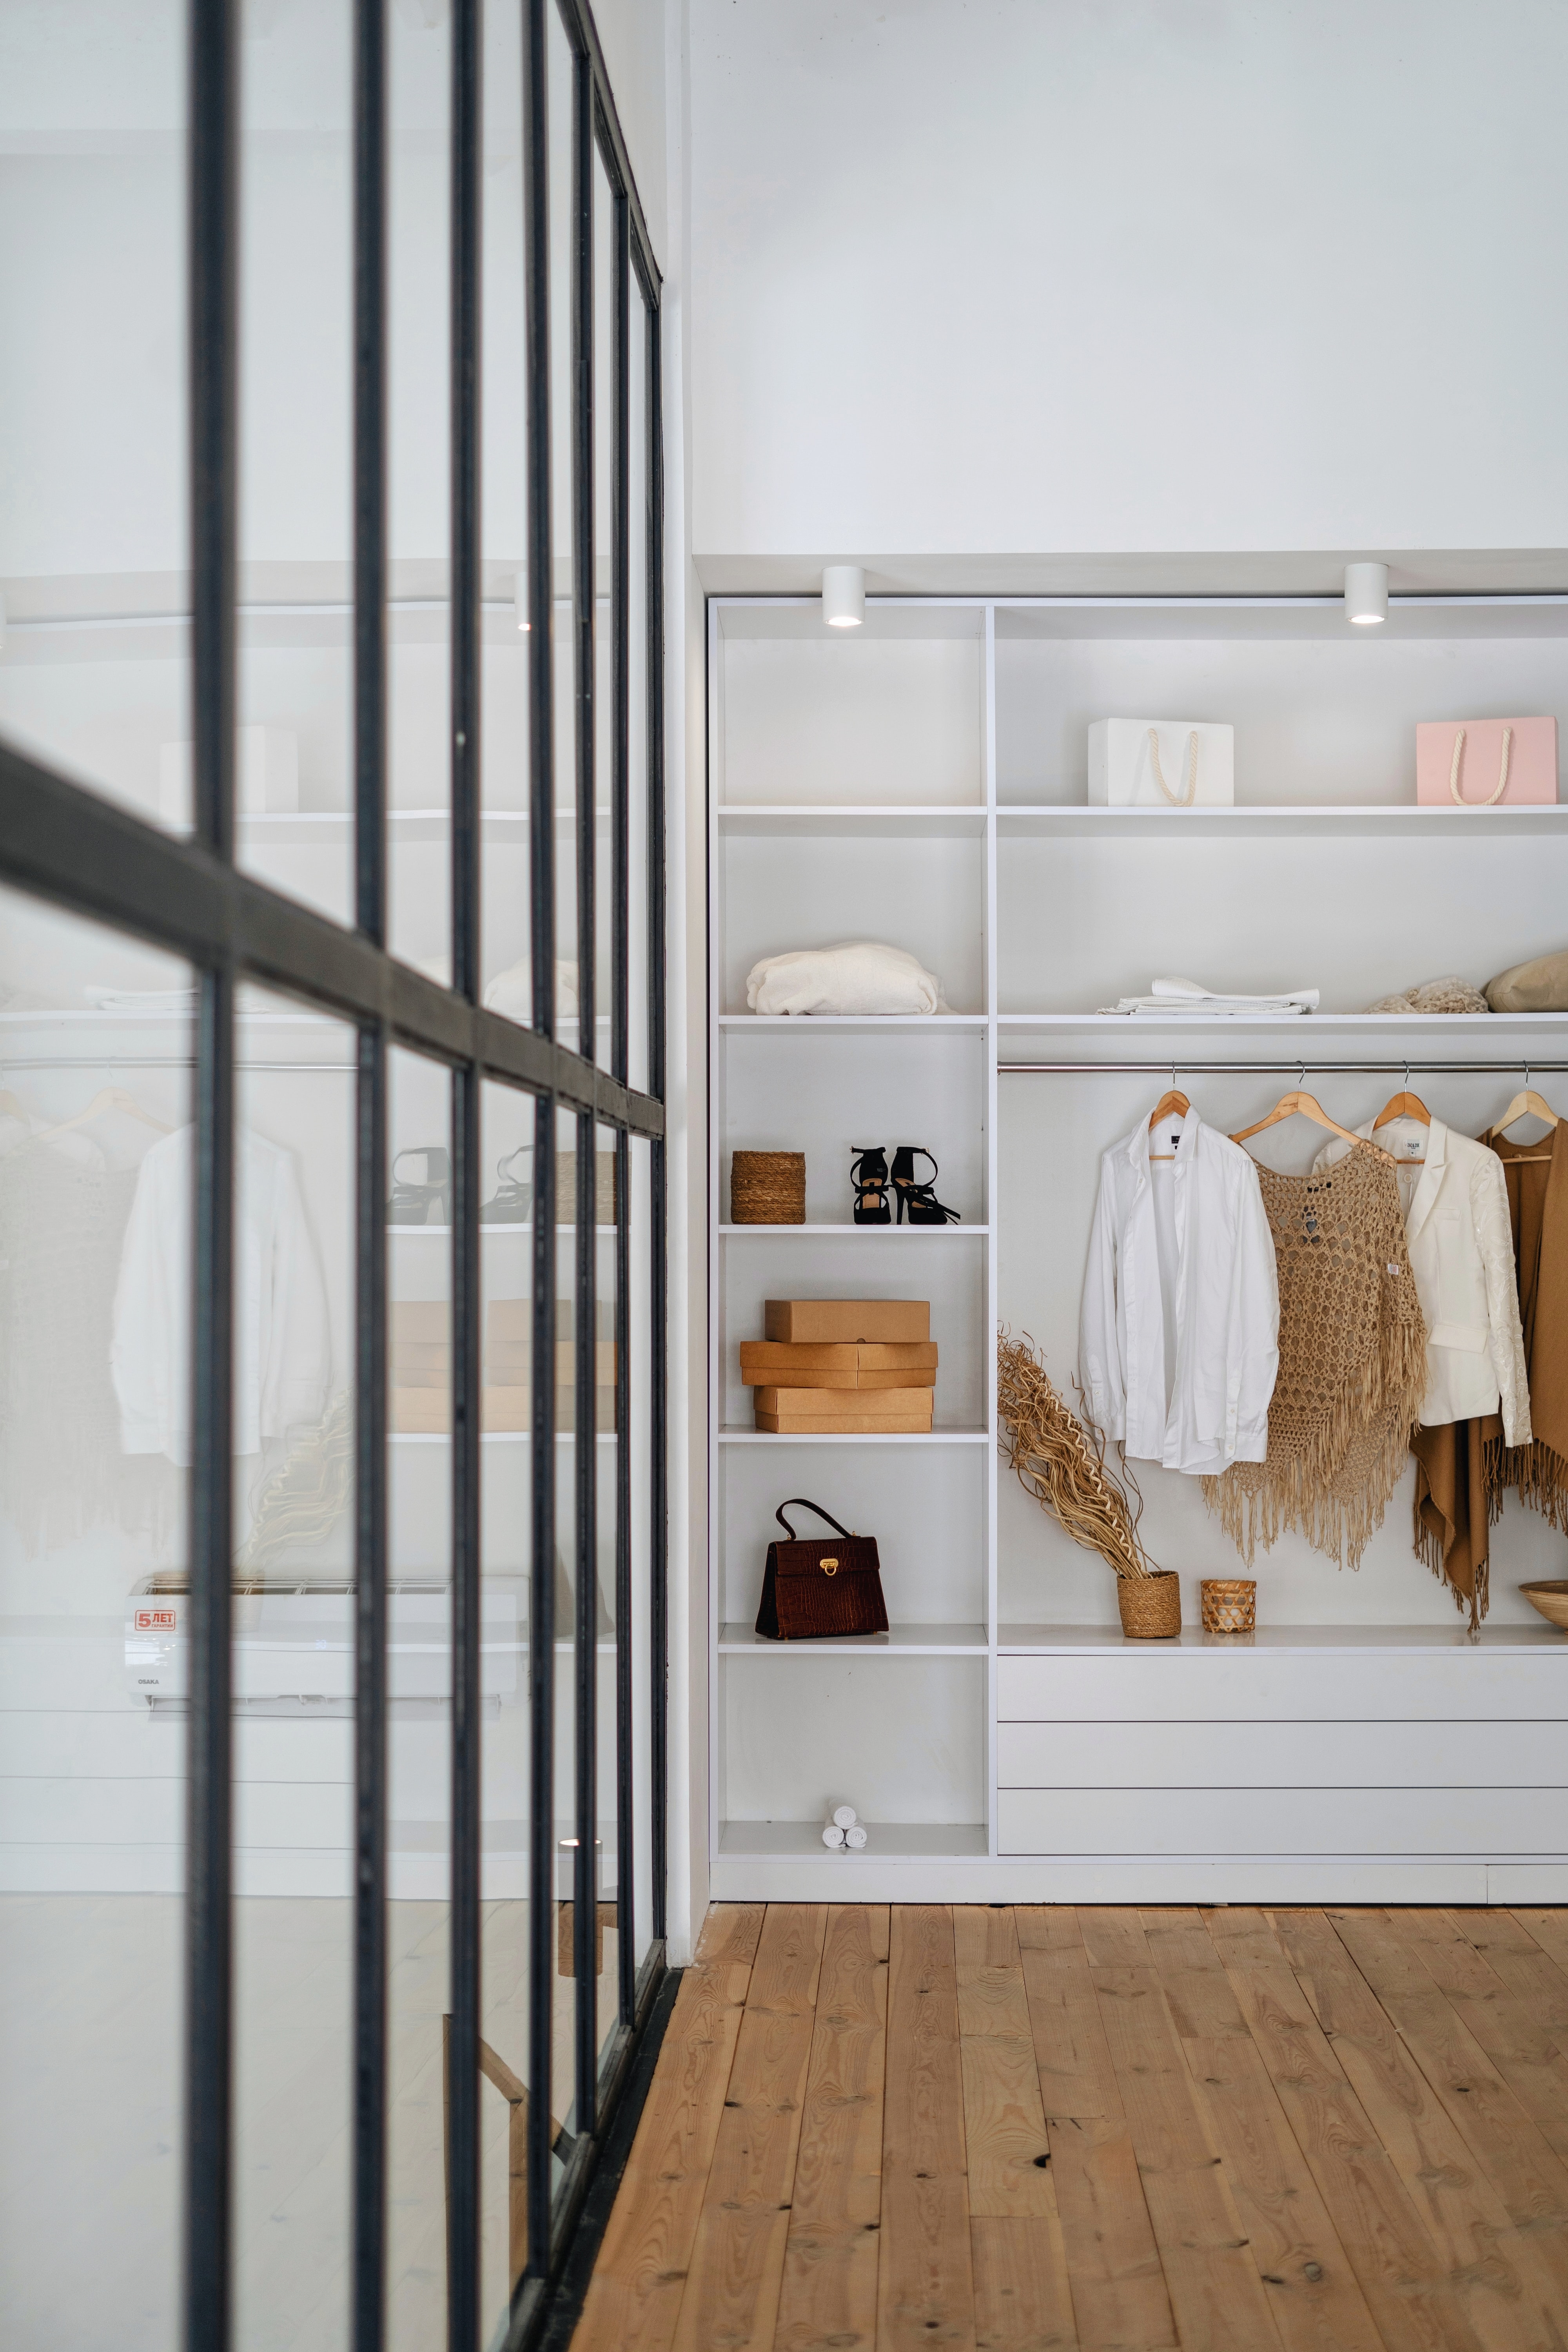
[
  {"x": 869, "y": 1174},
  {"x": 411, "y": 1203},
  {"x": 919, "y": 1201},
  {"x": 513, "y": 1201}
]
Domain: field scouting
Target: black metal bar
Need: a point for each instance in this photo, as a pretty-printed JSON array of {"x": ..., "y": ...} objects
[
  {"x": 585, "y": 1452},
  {"x": 79, "y": 851},
  {"x": 463, "y": 2191},
  {"x": 214, "y": 334},
  {"x": 620, "y": 641},
  {"x": 584, "y": 36},
  {"x": 370, "y": 1697},
  {"x": 659, "y": 1500},
  {"x": 542, "y": 1696},
  {"x": 370, "y": 1157},
  {"x": 541, "y": 555},
  {"x": 625, "y": 1758},
  {"x": 209, "y": 1748},
  {"x": 582, "y": 537},
  {"x": 467, "y": 142}
]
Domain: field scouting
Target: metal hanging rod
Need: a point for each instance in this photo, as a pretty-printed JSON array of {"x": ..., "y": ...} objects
[{"x": 1166, "y": 1066}]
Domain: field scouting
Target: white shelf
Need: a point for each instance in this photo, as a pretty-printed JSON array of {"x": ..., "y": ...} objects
[
  {"x": 495, "y": 1226},
  {"x": 1305, "y": 1027},
  {"x": 778, "y": 820},
  {"x": 1079, "y": 1641},
  {"x": 848, "y": 1024},
  {"x": 1267, "y": 827},
  {"x": 884, "y": 1842},
  {"x": 490, "y": 1437},
  {"x": 906, "y": 1640},
  {"x": 331, "y": 826},
  {"x": 858, "y": 1233},
  {"x": 730, "y": 1436}
]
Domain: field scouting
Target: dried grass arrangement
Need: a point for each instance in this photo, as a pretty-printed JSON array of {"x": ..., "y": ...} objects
[{"x": 1063, "y": 1464}]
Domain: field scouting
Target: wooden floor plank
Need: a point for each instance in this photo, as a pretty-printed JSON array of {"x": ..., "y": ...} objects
[
  {"x": 1524, "y": 1963},
  {"x": 634, "y": 2297},
  {"x": 1494, "y": 2271},
  {"x": 1548, "y": 1925},
  {"x": 828, "y": 2297},
  {"x": 1119, "y": 2303},
  {"x": 1505, "y": 2024},
  {"x": 1504, "y": 2140},
  {"x": 1313, "y": 2294},
  {"x": 1395, "y": 2263},
  {"x": 1021, "y": 2298},
  {"x": 925, "y": 2292},
  {"x": 1215, "y": 2294},
  {"x": 730, "y": 2301}
]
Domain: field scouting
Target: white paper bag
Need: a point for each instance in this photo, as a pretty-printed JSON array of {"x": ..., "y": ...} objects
[{"x": 1157, "y": 763}]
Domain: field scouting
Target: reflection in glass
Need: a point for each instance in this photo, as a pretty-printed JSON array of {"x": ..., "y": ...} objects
[
  {"x": 293, "y": 1667},
  {"x": 95, "y": 675},
  {"x": 605, "y": 714},
  {"x": 639, "y": 1442},
  {"x": 419, "y": 1709},
  {"x": 560, "y": 86},
  {"x": 506, "y": 1260},
  {"x": 565, "y": 2004},
  {"x": 609, "y": 1439},
  {"x": 637, "y": 653},
  {"x": 295, "y": 765},
  {"x": 95, "y": 1060}
]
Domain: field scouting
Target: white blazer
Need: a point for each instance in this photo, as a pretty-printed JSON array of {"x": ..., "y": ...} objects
[
  {"x": 1197, "y": 1289},
  {"x": 1461, "y": 1254}
]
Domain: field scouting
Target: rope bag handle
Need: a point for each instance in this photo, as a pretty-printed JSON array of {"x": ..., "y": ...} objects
[
  {"x": 1188, "y": 793},
  {"x": 1502, "y": 777}
]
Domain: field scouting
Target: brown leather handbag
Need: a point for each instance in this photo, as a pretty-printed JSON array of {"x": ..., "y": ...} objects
[{"x": 814, "y": 1590}]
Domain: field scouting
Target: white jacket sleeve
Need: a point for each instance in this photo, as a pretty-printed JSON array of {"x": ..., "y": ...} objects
[
  {"x": 296, "y": 1374},
  {"x": 1252, "y": 1354},
  {"x": 1494, "y": 1239},
  {"x": 150, "y": 1347},
  {"x": 1100, "y": 1373}
]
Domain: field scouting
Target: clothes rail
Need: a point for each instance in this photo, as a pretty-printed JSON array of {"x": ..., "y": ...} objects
[{"x": 1294, "y": 1068}]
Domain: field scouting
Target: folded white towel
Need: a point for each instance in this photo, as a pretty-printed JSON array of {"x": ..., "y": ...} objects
[
  {"x": 1171, "y": 995},
  {"x": 1188, "y": 992},
  {"x": 859, "y": 976}
]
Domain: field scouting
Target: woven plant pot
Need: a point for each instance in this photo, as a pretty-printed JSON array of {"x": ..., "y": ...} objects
[
  {"x": 1228, "y": 1603},
  {"x": 1151, "y": 1606},
  {"x": 767, "y": 1188}
]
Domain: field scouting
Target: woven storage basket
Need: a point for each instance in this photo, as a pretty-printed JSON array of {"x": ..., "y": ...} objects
[
  {"x": 1229, "y": 1605},
  {"x": 767, "y": 1188},
  {"x": 1151, "y": 1606}
]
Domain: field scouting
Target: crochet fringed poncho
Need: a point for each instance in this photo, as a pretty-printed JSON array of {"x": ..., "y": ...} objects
[{"x": 1352, "y": 1364}]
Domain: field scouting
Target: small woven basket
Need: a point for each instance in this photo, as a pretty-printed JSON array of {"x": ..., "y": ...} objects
[
  {"x": 767, "y": 1188},
  {"x": 1229, "y": 1605},
  {"x": 1151, "y": 1606}
]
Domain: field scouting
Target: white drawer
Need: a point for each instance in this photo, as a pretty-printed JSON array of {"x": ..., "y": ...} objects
[
  {"x": 1303, "y": 1686},
  {"x": 1413, "y": 1755},
  {"x": 1170, "y": 1821}
]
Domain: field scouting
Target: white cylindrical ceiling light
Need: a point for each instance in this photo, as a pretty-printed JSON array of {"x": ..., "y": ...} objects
[
  {"x": 1366, "y": 592},
  {"x": 843, "y": 595}
]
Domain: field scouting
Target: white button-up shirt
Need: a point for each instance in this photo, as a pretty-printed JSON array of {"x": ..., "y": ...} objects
[{"x": 1178, "y": 1335}]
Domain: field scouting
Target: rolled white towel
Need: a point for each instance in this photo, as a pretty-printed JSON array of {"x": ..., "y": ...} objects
[
  {"x": 832, "y": 1836},
  {"x": 855, "y": 1837},
  {"x": 846, "y": 1816},
  {"x": 859, "y": 976}
]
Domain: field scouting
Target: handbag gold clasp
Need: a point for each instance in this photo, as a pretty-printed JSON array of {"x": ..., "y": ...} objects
[{"x": 829, "y": 1565}]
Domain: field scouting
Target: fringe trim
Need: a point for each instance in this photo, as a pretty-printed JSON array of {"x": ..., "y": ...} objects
[
  {"x": 1539, "y": 1477},
  {"x": 1429, "y": 1548}
]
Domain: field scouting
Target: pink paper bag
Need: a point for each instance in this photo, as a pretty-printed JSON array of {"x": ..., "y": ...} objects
[{"x": 1472, "y": 777}]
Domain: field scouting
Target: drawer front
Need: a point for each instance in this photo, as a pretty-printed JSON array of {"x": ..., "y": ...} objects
[
  {"x": 1277, "y": 1822},
  {"x": 1285, "y": 1685},
  {"x": 1431, "y": 1755}
]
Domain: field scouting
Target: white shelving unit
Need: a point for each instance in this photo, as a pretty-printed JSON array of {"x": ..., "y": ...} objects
[{"x": 922, "y": 780}]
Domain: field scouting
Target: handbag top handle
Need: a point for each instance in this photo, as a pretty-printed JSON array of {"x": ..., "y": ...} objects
[{"x": 804, "y": 1503}]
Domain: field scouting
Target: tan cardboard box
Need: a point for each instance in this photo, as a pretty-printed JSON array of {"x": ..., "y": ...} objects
[
  {"x": 911, "y": 1377},
  {"x": 830, "y": 1407},
  {"x": 794, "y": 1320},
  {"x": 763, "y": 1363},
  {"x": 421, "y": 1413},
  {"x": 852, "y": 1424},
  {"x": 419, "y": 1323}
]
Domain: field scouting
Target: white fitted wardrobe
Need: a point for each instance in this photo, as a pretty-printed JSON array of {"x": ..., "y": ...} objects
[{"x": 922, "y": 780}]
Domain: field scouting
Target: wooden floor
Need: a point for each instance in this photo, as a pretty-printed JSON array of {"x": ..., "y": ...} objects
[{"x": 1116, "y": 2129}]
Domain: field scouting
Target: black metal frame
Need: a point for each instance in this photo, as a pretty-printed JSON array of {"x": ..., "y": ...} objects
[{"x": 66, "y": 845}]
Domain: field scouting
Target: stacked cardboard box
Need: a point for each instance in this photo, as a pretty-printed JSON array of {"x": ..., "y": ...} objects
[
  {"x": 420, "y": 1367},
  {"x": 843, "y": 1366}
]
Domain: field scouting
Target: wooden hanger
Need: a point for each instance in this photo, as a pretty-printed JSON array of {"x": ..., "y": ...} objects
[
  {"x": 1309, "y": 1107},
  {"x": 1173, "y": 1099},
  {"x": 108, "y": 1099},
  {"x": 1526, "y": 1103},
  {"x": 1403, "y": 1106}
]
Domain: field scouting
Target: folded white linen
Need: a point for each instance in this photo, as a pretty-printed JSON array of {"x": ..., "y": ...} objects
[
  {"x": 1150, "y": 1008},
  {"x": 858, "y": 976},
  {"x": 1189, "y": 991}
]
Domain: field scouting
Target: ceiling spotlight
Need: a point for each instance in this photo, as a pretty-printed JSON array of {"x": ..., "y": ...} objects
[
  {"x": 843, "y": 595},
  {"x": 1366, "y": 592},
  {"x": 520, "y": 598}
]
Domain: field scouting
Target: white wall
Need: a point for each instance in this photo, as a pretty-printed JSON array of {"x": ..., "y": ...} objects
[{"x": 1039, "y": 278}]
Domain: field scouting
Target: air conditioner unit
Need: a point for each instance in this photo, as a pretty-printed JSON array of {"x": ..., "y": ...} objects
[{"x": 295, "y": 1642}]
